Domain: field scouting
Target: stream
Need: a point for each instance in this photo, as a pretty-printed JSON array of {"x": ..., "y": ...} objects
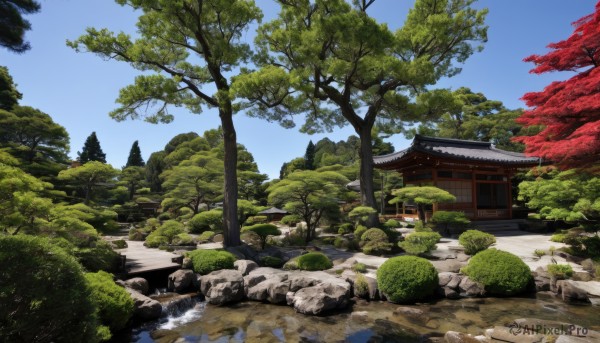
[{"x": 192, "y": 320}]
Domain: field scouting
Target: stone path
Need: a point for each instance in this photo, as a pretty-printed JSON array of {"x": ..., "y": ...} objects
[{"x": 141, "y": 259}]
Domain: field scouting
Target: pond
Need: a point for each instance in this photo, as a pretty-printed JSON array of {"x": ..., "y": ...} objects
[{"x": 363, "y": 322}]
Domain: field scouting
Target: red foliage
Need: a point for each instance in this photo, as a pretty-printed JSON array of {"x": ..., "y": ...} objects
[{"x": 568, "y": 110}]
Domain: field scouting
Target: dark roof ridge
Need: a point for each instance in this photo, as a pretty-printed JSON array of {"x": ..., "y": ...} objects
[{"x": 421, "y": 138}]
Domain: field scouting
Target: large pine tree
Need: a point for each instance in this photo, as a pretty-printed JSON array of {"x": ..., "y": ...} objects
[
  {"x": 569, "y": 111},
  {"x": 135, "y": 156},
  {"x": 91, "y": 150},
  {"x": 309, "y": 156}
]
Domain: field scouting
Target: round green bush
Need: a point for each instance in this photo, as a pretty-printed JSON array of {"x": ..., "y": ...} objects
[
  {"x": 271, "y": 261},
  {"x": 406, "y": 279},
  {"x": 374, "y": 234},
  {"x": 345, "y": 228},
  {"x": 359, "y": 231},
  {"x": 43, "y": 290},
  {"x": 263, "y": 231},
  {"x": 115, "y": 306},
  {"x": 207, "y": 261},
  {"x": 475, "y": 241},
  {"x": 420, "y": 242},
  {"x": 184, "y": 239},
  {"x": 155, "y": 240},
  {"x": 501, "y": 272},
  {"x": 314, "y": 261},
  {"x": 392, "y": 224},
  {"x": 206, "y": 236},
  {"x": 204, "y": 221}
]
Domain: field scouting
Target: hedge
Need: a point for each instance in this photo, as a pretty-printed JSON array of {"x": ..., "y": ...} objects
[{"x": 406, "y": 279}]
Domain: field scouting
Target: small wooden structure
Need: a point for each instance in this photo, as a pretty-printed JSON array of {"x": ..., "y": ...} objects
[
  {"x": 273, "y": 214},
  {"x": 149, "y": 208},
  {"x": 476, "y": 173}
]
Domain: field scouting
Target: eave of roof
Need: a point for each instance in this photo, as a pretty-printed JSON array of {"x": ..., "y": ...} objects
[{"x": 457, "y": 149}]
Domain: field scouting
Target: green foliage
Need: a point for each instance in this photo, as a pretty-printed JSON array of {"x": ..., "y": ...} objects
[
  {"x": 392, "y": 224},
  {"x": 501, "y": 272},
  {"x": 314, "y": 261},
  {"x": 88, "y": 177},
  {"x": 361, "y": 286},
  {"x": 271, "y": 261},
  {"x": 99, "y": 257},
  {"x": 361, "y": 213},
  {"x": 207, "y": 261},
  {"x": 559, "y": 237},
  {"x": 114, "y": 304},
  {"x": 37, "y": 298},
  {"x": 572, "y": 195},
  {"x": 420, "y": 242},
  {"x": 292, "y": 264},
  {"x": 206, "y": 221},
  {"x": 310, "y": 195},
  {"x": 345, "y": 228},
  {"x": 583, "y": 245},
  {"x": 406, "y": 279},
  {"x": 560, "y": 271},
  {"x": 155, "y": 240},
  {"x": 359, "y": 231},
  {"x": 256, "y": 220},
  {"x": 420, "y": 227},
  {"x": 425, "y": 195},
  {"x": 263, "y": 231},
  {"x": 291, "y": 219},
  {"x": 539, "y": 252},
  {"x": 450, "y": 219},
  {"x": 9, "y": 95},
  {"x": 375, "y": 242},
  {"x": 184, "y": 239},
  {"x": 475, "y": 241},
  {"x": 135, "y": 156},
  {"x": 206, "y": 236},
  {"x": 359, "y": 268},
  {"x": 164, "y": 234},
  {"x": 91, "y": 150}
]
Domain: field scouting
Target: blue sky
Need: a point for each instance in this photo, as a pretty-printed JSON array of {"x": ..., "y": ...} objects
[{"x": 78, "y": 90}]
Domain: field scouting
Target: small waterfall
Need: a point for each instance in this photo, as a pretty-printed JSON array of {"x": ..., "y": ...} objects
[{"x": 179, "y": 309}]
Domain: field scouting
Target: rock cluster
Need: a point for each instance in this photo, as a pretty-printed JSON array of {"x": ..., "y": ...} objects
[{"x": 454, "y": 285}]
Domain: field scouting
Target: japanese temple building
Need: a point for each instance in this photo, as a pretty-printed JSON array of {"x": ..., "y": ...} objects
[{"x": 476, "y": 173}]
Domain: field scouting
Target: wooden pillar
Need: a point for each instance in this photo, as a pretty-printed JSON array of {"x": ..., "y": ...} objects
[
  {"x": 509, "y": 185},
  {"x": 474, "y": 193}
]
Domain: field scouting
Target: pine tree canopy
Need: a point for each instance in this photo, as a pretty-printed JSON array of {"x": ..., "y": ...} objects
[
  {"x": 135, "y": 156},
  {"x": 91, "y": 150}
]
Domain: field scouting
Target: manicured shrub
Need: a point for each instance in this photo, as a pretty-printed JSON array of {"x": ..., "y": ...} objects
[
  {"x": 256, "y": 220},
  {"x": 263, "y": 231},
  {"x": 155, "y": 240},
  {"x": 271, "y": 261},
  {"x": 558, "y": 237},
  {"x": 501, "y": 272},
  {"x": 560, "y": 271},
  {"x": 361, "y": 286},
  {"x": 206, "y": 221},
  {"x": 206, "y": 236},
  {"x": 359, "y": 231},
  {"x": 539, "y": 252},
  {"x": 291, "y": 264},
  {"x": 392, "y": 224},
  {"x": 184, "y": 239},
  {"x": 291, "y": 220},
  {"x": 43, "y": 291},
  {"x": 406, "y": 279},
  {"x": 420, "y": 227},
  {"x": 450, "y": 220},
  {"x": 164, "y": 216},
  {"x": 115, "y": 306},
  {"x": 359, "y": 268},
  {"x": 420, "y": 242},
  {"x": 206, "y": 261},
  {"x": 375, "y": 242},
  {"x": 475, "y": 241},
  {"x": 584, "y": 246},
  {"x": 345, "y": 228},
  {"x": 361, "y": 213},
  {"x": 119, "y": 244},
  {"x": 314, "y": 261},
  {"x": 100, "y": 257},
  {"x": 170, "y": 229},
  {"x": 339, "y": 243}
]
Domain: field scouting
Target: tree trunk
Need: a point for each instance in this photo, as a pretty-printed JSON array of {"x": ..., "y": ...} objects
[
  {"x": 231, "y": 232},
  {"x": 88, "y": 191},
  {"x": 367, "y": 192}
]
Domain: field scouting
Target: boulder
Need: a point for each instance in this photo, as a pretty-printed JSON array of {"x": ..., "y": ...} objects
[
  {"x": 444, "y": 278},
  {"x": 591, "y": 287},
  {"x": 222, "y": 286},
  {"x": 449, "y": 293},
  {"x": 139, "y": 284},
  {"x": 570, "y": 292},
  {"x": 242, "y": 252},
  {"x": 245, "y": 266},
  {"x": 471, "y": 288},
  {"x": 269, "y": 285},
  {"x": 448, "y": 265},
  {"x": 543, "y": 281},
  {"x": 144, "y": 307},
  {"x": 218, "y": 238},
  {"x": 459, "y": 337},
  {"x": 328, "y": 295},
  {"x": 582, "y": 276},
  {"x": 412, "y": 313},
  {"x": 181, "y": 281},
  {"x": 373, "y": 288},
  {"x": 514, "y": 334},
  {"x": 588, "y": 265},
  {"x": 187, "y": 263}
]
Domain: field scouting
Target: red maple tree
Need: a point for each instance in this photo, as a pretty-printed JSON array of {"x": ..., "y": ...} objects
[{"x": 568, "y": 111}]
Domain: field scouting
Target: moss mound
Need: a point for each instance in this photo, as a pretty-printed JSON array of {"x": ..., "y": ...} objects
[
  {"x": 475, "y": 241},
  {"x": 406, "y": 279},
  {"x": 207, "y": 261},
  {"x": 314, "y": 261},
  {"x": 501, "y": 272}
]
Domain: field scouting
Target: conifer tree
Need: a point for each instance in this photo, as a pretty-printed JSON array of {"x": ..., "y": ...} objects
[
  {"x": 309, "y": 156},
  {"x": 91, "y": 150},
  {"x": 135, "y": 156}
]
